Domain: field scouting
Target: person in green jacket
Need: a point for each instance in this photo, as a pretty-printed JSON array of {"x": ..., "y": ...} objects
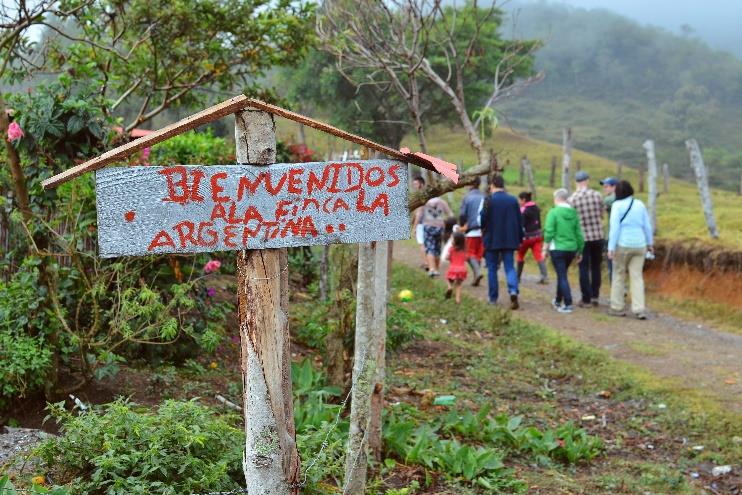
[{"x": 564, "y": 241}]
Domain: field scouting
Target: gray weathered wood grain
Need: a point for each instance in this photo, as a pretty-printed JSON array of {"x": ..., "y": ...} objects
[{"x": 133, "y": 207}]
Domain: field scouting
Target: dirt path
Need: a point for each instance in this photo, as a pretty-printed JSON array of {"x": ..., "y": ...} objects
[{"x": 697, "y": 357}]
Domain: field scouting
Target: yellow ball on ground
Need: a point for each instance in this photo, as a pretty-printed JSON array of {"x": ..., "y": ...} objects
[{"x": 405, "y": 295}]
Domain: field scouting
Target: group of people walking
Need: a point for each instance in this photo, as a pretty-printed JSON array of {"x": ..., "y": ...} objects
[{"x": 501, "y": 229}]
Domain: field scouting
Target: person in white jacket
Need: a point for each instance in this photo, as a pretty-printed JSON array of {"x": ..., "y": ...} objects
[{"x": 629, "y": 240}]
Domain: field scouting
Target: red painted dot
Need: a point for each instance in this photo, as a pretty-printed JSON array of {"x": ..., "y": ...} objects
[
  {"x": 342, "y": 227},
  {"x": 129, "y": 216},
  {"x": 330, "y": 229}
]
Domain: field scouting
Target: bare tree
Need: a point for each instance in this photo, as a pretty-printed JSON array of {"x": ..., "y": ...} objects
[{"x": 396, "y": 40}]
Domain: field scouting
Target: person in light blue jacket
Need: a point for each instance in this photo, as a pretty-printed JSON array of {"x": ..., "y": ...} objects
[{"x": 630, "y": 238}]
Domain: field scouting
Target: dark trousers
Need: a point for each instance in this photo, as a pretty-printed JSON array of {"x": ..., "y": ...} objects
[
  {"x": 561, "y": 261},
  {"x": 493, "y": 257},
  {"x": 590, "y": 273}
]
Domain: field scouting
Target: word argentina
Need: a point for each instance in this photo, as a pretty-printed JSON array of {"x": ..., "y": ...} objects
[{"x": 180, "y": 209}]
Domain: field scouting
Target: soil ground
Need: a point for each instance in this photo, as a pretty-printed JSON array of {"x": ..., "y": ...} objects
[{"x": 695, "y": 356}]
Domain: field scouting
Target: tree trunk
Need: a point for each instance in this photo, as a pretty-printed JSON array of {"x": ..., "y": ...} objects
[
  {"x": 528, "y": 170},
  {"x": 271, "y": 462},
  {"x": 666, "y": 177},
  {"x": 696, "y": 162},
  {"x": 619, "y": 170},
  {"x": 14, "y": 163},
  {"x": 364, "y": 374},
  {"x": 324, "y": 271},
  {"x": 552, "y": 176},
  {"x": 652, "y": 168},
  {"x": 567, "y": 158},
  {"x": 381, "y": 296}
]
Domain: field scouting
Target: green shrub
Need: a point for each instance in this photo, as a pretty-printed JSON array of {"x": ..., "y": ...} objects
[
  {"x": 24, "y": 363},
  {"x": 7, "y": 488},
  {"x": 193, "y": 148},
  {"x": 182, "y": 447},
  {"x": 403, "y": 326}
]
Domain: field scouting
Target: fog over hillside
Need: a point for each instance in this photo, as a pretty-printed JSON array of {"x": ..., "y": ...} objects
[{"x": 714, "y": 21}]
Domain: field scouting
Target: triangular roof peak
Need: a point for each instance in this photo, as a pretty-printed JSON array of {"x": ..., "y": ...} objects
[{"x": 229, "y": 107}]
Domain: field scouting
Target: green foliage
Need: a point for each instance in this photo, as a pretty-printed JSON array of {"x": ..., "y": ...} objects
[
  {"x": 193, "y": 148},
  {"x": 181, "y": 447},
  {"x": 311, "y": 408},
  {"x": 24, "y": 362},
  {"x": 403, "y": 325},
  {"x": 7, "y": 488}
]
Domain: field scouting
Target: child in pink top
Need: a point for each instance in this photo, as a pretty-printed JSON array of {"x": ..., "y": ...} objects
[{"x": 456, "y": 273}]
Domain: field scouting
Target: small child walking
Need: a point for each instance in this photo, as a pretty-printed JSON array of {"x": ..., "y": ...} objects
[{"x": 456, "y": 273}]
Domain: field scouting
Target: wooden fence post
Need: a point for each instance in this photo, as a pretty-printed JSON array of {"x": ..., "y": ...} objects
[
  {"x": 619, "y": 170},
  {"x": 271, "y": 461},
  {"x": 641, "y": 178},
  {"x": 578, "y": 165},
  {"x": 552, "y": 176},
  {"x": 522, "y": 173},
  {"x": 567, "y": 158},
  {"x": 652, "y": 168},
  {"x": 696, "y": 162},
  {"x": 739, "y": 193},
  {"x": 666, "y": 178},
  {"x": 378, "y": 327},
  {"x": 528, "y": 170}
]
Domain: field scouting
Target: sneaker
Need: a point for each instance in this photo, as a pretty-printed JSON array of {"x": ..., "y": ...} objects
[
  {"x": 641, "y": 316},
  {"x": 514, "y": 301},
  {"x": 555, "y": 304},
  {"x": 613, "y": 312},
  {"x": 584, "y": 304},
  {"x": 433, "y": 274},
  {"x": 565, "y": 309},
  {"x": 595, "y": 303},
  {"x": 477, "y": 280},
  {"x": 448, "y": 293},
  {"x": 543, "y": 281}
]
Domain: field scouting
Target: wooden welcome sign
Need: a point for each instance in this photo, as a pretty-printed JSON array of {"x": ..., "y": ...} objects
[
  {"x": 185, "y": 209},
  {"x": 254, "y": 208}
]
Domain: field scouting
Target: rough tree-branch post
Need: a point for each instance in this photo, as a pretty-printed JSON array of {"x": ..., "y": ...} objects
[
  {"x": 528, "y": 171},
  {"x": 652, "y": 168},
  {"x": 696, "y": 162},
  {"x": 666, "y": 178},
  {"x": 257, "y": 208},
  {"x": 566, "y": 158}
]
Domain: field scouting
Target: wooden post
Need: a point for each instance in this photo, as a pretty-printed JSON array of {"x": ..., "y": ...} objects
[
  {"x": 641, "y": 178},
  {"x": 696, "y": 162},
  {"x": 666, "y": 178},
  {"x": 552, "y": 177},
  {"x": 522, "y": 173},
  {"x": 567, "y": 158},
  {"x": 619, "y": 170},
  {"x": 528, "y": 170},
  {"x": 364, "y": 371},
  {"x": 271, "y": 461},
  {"x": 739, "y": 193},
  {"x": 578, "y": 165},
  {"x": 378, "y": 327},
  {"x": 652, "y": 168}
]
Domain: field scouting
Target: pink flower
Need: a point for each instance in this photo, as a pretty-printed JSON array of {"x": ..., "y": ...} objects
[
  {"x": 212, "y": 266},
  {"x": 145, "y": 154},
  {"x": 210, "y": 291},
  {"x": 14, "y": 131}
]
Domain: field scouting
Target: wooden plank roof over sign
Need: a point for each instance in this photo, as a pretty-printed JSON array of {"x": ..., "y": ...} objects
[{"x": 229, "y": 107}]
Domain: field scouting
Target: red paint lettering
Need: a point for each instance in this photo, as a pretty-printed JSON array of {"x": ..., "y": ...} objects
[
  {"x": 175, "y": 195},
  {"x": 307, "y": 227},
  {"x": 185, "y": 233},
  {"x": 247, "y": 233},
  {"x": 218, "y": 212},
  {"x": 314, "y": 183},
  {"x": 381, "y": 201},
  {"x": 202, "y": 228},
  {"x": 273, "y": 190},
  {"x": 216, "y": 188},
  {"x": 310, "y": 201},
  {"x": 232, "y": 213},
  {"x": 294, "y": 225},
  {"x": 351, "y": 167},
  {"x": 295, "y": 181},
  {"x": 335, "y": 173},
  {"x": 393, "y": 173},
  {"x": 230, "y": 234},
  {"x": 281, "y": 210},
  {"x": 245, "y": 183},
  {"x": 374, "y": 182},
  {"x": 252, "y": 213},
  {"x": 162, "y": 239},
  {"x": 340, "y": 204}
]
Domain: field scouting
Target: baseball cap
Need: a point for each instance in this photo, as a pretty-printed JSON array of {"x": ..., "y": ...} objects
[
  {"x": 611, "y": 181},
  {"x": 581, "y": 176}
]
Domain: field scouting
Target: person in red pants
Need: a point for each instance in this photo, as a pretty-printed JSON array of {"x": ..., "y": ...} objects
[{"x": 534, "y": 236}]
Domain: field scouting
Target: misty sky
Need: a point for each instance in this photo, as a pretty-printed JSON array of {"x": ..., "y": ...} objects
[{"x": 716, "y": 21}]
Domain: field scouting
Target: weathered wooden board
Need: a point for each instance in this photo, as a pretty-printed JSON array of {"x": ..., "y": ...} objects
[{"x": 188, "y": 209}]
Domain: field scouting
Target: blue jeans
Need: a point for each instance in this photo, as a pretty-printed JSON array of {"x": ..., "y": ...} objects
[
  {"x": 561, "y": 261},
  {"x": 493, "y": 257}
]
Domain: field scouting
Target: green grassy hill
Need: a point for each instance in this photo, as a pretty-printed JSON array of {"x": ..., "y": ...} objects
[{"x": 679, "y": 214}]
